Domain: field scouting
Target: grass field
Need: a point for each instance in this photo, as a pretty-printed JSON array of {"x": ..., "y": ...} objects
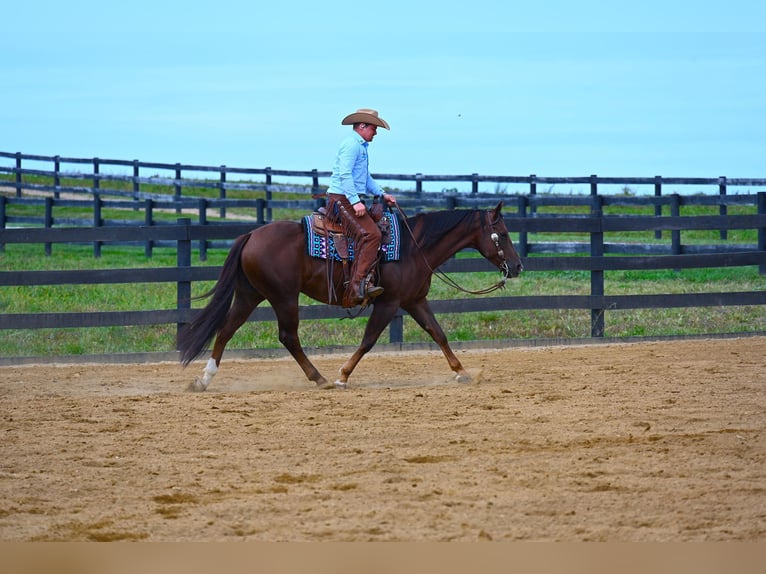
[{"x": 498, "y": 325}]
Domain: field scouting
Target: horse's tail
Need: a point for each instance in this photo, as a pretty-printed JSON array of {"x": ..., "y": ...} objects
[{"x": 195, "y": 336}]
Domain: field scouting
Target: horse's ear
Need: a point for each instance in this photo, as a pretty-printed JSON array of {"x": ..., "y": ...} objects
[{"x": 498, "y": 212}]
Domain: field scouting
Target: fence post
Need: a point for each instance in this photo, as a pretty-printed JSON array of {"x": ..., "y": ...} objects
[
  {"x": 597, "y": 275},
  {"x": 136, "y": 185},
  {"x": 762, "y": 230},
  {"x": 675, "y": 234},
  {"x": 18, "y": 174},
  {"x": 523, "y": 247},
  {"x": 722, "y": 208},
  {"x": 532, "y": 192},
  {"x": 658, "y": 205},
  {"x": 97, "y": 221},
  {"x": 396, "y": 328},
  {"x": 268, "y": 198},
  {"x": 183, "y": 261},
  {"x": 222, "y": 190},
  {"x": 474, "y": 183},
  {"x": 318, "y": 196},
  {"x": 177, "y": 188},
  {"x": 418, "y": 183},
  {"x": 3, "y": 217},
  {"x": 149, "y": 221},
  {"x": 259, "y": 207},
  {"x": 314, "y": 182},
  {"x": 48, "y": 220},
  {"x": 56, "y": 177},
  {"x": 96, "y": 171},
  {"x": 203, "y": 221}
]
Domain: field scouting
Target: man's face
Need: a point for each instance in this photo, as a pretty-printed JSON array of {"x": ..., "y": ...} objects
[{"x": 367, "y": 131}]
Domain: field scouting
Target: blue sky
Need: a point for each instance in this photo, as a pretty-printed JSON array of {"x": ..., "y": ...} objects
[{"x": 493, "y": 87}]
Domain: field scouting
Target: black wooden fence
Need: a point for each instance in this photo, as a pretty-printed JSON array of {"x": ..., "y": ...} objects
[
  {"x": 184, "y": 234},
  {"x": 523, "y": 212},
  {"x": 220, "y": 181},
  {"x": 261, "y": 201},
  {"x": 522, "y": 206}
]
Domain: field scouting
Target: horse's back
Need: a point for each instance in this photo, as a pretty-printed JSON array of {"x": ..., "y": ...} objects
[
  {"x": 273, "y": 259},
  {"x": 277, "y": 244},
  {"x": 280, "y": 228}
]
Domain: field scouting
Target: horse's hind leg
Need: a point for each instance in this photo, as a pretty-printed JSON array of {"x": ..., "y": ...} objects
[
  {"x": 238, "y": 313},
  {"x": 382, "y": 313}
]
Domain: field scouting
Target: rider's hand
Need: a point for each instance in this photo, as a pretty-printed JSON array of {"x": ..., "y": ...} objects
[
  {"x": 359, "y": 209},
  {"x": 389, "y": 199}
]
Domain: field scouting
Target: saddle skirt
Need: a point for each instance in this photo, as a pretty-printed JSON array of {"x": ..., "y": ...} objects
[{"x": 326, "y": 240}]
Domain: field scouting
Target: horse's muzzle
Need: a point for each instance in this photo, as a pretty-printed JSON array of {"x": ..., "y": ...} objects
[{"x": 511, "y": 270}]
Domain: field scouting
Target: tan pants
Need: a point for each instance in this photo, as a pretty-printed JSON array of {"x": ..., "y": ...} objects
[{"x": 367, "y": 236}]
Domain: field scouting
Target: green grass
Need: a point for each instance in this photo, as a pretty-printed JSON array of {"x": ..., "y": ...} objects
[{"x": 495, "y": 325}]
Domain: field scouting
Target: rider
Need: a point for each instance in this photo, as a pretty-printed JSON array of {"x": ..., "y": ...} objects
[{"x": 350, "y": 178}]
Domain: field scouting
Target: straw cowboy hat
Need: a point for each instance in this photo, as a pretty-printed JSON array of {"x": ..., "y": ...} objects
[{"x": 367, "y": 116}]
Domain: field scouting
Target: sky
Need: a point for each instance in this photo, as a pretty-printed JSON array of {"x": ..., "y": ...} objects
[{"x": 671, "y": 88}]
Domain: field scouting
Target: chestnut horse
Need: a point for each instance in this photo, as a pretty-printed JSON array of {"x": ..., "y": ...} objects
[{"x": 272, "y": 263}]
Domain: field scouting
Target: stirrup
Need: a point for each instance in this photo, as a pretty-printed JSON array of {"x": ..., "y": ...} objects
[
  {"x": 373, "y": 291},
  {"x": 351, "y": 298}
]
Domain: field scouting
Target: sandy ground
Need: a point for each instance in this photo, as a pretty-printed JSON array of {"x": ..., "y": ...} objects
[{"x": 644, "y": 441}]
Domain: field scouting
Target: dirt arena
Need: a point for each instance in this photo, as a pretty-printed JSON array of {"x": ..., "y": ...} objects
[{"x": 644, "y": 441}]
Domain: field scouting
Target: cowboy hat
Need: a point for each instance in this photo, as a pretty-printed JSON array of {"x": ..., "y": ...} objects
[{"x": 367, "y": 116}]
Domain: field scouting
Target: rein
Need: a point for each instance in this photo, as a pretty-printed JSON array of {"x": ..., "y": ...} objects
[{"x": 446, "y": 278}]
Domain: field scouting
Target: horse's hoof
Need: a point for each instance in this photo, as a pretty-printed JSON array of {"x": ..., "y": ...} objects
[
  {"x": 341, "y": 385},
  {"x": 464, "y": 378},
  {"x": 196, "y": 386},
  {"x": 325, "y": 384}
]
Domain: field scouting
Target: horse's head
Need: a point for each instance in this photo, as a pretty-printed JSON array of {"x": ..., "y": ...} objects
[{"x": 496, "y": 246}]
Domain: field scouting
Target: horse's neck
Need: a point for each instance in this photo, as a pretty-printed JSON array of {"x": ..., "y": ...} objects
[{"x": 439, "y": 249}]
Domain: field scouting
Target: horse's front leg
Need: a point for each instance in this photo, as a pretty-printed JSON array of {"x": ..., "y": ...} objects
[
  {"x": 421, "y": 311},
  {"x": 382, "y": 313}
]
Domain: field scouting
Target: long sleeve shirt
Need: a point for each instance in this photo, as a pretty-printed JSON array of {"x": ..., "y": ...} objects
[{"x": 351, "y": 172}]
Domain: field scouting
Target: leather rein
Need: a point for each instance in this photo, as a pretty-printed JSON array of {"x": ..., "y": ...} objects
[{"x": 446, "y": 278}]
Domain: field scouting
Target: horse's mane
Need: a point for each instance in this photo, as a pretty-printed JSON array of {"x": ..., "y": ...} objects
[{"x": 432, "y": 226}]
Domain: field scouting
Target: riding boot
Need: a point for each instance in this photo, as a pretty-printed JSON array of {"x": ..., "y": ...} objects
[
  {"x": 365, "y": 256},
  {"x": 372, "y": 290}
]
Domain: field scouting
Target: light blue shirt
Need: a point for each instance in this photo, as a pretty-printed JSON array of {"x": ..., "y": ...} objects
[{"x": 351, "y": 173}]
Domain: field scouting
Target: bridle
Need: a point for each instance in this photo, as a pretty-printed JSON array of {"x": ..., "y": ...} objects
[{"x": 505, "y": 270}]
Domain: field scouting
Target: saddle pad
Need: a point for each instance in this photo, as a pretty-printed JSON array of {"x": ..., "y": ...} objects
[{"x": 317, "y": 247}]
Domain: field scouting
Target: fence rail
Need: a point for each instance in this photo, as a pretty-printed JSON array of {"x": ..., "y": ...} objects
[
  {"x": 528, "y": 217},
  {"x": 88, "y": 188},
  {"x": 221, "y": 183},
  {"x": 184, "y": 233}
]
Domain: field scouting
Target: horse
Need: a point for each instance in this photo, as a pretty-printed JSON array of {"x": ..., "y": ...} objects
[{"x": 272, "y": 263}]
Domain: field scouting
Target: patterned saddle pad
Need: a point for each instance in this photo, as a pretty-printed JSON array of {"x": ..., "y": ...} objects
[{"x": 317, "y": 247}]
